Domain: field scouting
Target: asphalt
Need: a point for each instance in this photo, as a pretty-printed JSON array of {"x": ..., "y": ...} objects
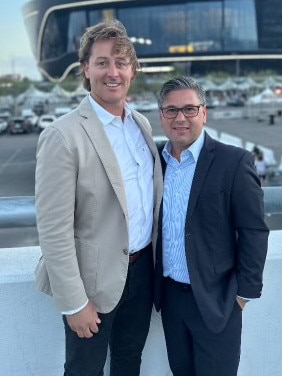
[{"x": 265, "y": 131}]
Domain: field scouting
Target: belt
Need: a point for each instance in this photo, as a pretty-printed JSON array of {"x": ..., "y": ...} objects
[
  {"x": 133, "y": 257},
  {"x": 180, "y": 285}
]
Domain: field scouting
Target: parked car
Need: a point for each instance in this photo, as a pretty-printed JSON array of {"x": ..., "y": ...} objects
[
  {"x": 28, "y": 114},
  {"x": 236, "y": 102},
  {"x": 4, "y": 119},
  {"x": 44, "y": 121},
  {"x": 60, "y": 111},
  {"x": 39, "y": 108},
  {"x": 212, "y": 102},
  {"x": 19, "y": 125},
  {"x": 3, "y": 125}
]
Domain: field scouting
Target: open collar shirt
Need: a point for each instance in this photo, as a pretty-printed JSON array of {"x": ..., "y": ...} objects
[
  {"x": 177, "y": 186},
  {"x": 136, "y": 164}
]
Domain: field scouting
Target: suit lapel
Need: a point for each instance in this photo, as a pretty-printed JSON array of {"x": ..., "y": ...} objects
[
  {"x": 205, "y": 159},
  {"x": 94, "y": 129},
  {"x": 145, "y": 131},
  {"x": 158, "y": 178}
]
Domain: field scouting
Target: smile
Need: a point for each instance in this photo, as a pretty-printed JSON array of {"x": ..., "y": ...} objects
[{"x": 112, "y": 85}]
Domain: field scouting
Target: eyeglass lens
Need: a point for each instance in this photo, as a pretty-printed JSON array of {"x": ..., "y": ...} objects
[{"x": 188, "y": 111}]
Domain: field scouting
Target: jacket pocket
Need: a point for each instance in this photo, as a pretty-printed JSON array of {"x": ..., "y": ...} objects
[
  {"x": 42, "y": 282},
  {"x": 87, "y": 257}
]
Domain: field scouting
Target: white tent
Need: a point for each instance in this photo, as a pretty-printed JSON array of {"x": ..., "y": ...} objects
[
  {"x": 209, "y": 85},
  {"x": 58, "y": 94},
  {"x": 247, "y": 84},
  {"x": 32, "y": 96},
  {"x": 227, "y": 85},
  {"x": 79, "y": 93},
  {"x": 266, "y": 96},
  {"x": 270, "y": 82}
]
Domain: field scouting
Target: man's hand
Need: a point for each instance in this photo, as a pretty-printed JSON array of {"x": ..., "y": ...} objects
[
  {"x": 241, "y": 302},
  {"x": 84, "y": 322}
]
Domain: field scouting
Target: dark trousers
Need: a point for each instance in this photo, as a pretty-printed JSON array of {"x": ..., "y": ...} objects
[
  {"x": 193, "y": 349},
  {"x": 125, "y": 329}
]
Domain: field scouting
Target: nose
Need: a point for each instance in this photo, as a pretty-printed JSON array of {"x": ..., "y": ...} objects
[
  {"x": 180, "y": 115},
  {"x": 113, "y": 70}
]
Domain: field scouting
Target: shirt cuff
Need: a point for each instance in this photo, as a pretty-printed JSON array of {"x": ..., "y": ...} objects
[
  {"x": 72, "y": 312},
  {"x": 245, "y": 299}
]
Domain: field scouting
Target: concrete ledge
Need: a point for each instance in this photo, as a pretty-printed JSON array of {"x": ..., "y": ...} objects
[
  {"x": 32, "y": 333},
  {"x": 32, "y": 336}
]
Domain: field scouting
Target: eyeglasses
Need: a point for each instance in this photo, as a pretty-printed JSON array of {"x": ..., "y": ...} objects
[{"x": 188, "y": 111}]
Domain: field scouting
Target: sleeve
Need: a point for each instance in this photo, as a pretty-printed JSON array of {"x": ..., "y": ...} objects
[
  {"x": 55, "y": 186},
  {"x": 252, "y": 232}
]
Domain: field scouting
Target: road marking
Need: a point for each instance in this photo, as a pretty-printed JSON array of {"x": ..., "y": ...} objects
[{"x": 6, "y": 164}]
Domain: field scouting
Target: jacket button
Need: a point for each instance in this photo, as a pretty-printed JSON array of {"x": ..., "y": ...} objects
[{"x": 125, "y": 251}]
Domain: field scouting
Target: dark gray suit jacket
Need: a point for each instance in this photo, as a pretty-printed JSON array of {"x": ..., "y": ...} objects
[{"x": 225, "y": 233}]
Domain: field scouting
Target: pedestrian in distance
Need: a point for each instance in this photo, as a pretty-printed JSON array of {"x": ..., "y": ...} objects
[
  {"x": 98, "y": 193},
  {"x": 261, "y": 167},
  {"x": 212, "y": 240}
]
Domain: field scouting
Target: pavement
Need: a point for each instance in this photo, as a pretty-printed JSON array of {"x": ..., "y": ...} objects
[{"x": 265, "y": 132}]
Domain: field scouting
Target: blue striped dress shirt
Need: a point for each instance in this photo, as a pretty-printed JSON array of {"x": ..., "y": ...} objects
[{"x": 177, "y": 186}]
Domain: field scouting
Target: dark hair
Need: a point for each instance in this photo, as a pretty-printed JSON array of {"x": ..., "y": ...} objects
[
  {"x": 180, "y": 83},
  {"x": 110, "y": 29}
]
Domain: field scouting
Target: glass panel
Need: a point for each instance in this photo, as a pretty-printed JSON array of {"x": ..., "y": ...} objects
[
  {"x": 54, "y": 41},
  {"x": 193, "y": 27},
  {"x": 269, "y": 15},
  {"x": 77, "y": 26},
  {"x": 240, "y": 29}
]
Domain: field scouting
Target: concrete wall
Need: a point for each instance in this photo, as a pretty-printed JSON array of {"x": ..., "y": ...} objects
[{"x": 32, "y": 337}]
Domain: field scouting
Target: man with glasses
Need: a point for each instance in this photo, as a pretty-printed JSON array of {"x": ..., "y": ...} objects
[{"x": 212, "y": 240}]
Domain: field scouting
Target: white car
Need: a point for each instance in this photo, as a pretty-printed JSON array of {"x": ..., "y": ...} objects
[
  {"x": 4, "y": 118},
  {"x": 3, "y": 125},
  {"x": 44, "y": 121},
  {"x": 60, "y": 111}
]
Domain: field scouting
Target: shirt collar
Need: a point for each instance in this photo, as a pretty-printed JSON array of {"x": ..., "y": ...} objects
[
  {"x": 103, "y": 115},
  {"x": 194, "y": 149}
]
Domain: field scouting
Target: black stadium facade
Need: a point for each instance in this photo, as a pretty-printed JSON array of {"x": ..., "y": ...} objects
[{"x": 202, "y": 35}]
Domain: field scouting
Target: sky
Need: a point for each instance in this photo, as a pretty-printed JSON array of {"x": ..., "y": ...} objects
[{"x": 15, "y": 51}]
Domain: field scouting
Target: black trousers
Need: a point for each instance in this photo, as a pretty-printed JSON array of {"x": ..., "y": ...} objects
[
  {"x": 124, "y": 330},
  {"x": 193, "y": 349}
]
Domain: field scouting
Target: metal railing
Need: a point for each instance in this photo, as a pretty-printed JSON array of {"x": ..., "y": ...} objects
[{"x": 20, "y": 211}]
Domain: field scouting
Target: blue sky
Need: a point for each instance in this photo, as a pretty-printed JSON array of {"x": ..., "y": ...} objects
[{"x": 15, "y": 55}]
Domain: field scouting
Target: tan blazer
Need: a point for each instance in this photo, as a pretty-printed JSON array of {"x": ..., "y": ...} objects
[{"x": 81, "y": 211}]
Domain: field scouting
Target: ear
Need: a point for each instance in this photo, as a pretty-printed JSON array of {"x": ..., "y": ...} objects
[
  {"x": 205, "y": 114},
  {"x": 134, "y": 75},
  {"x": 86, "y": 69}
]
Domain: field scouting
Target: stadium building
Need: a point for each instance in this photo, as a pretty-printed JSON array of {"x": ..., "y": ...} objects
[{"x": 236, "y": 36}]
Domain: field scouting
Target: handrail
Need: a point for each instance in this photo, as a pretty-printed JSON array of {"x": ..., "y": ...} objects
[
  {"x": 17, "y": 212},
  {"x": 272, "y": 200},
  {"x": 20, "y": 211}
]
